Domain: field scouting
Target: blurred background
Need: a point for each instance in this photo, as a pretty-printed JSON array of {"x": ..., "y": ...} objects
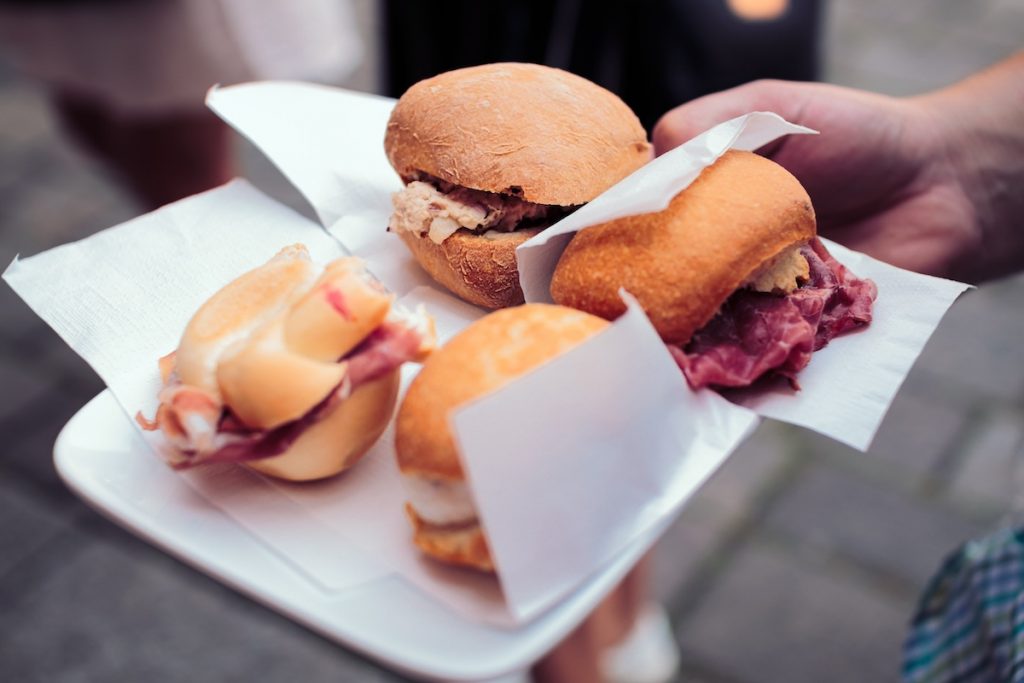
[{"x": 800, "y": 561}]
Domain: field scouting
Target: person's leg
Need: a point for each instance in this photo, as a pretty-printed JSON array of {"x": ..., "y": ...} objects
[
  {"x": 162, "y": 157},
  {"x": 577, "y": 659},
  {"x": 581, "y": 657}
]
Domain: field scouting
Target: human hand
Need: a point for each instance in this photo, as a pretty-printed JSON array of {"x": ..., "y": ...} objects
[{"x": 896, "y": 178}]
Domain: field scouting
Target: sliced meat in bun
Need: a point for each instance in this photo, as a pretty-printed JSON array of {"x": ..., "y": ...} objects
[
  {"x": 491, "y": 154},
  {"x": 291, "y": 369},
  {"x": 482, "y": 358},
  {"x": 731, "y": 274}
]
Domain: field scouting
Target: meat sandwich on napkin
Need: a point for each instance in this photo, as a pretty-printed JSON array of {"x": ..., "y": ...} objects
[{"x": 731, "y": 274}]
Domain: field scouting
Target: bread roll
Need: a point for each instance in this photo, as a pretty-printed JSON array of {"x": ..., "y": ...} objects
[
  {"x": 482, "y": 358},
  {"x": 526, "y": 132},
  {"x": 684, "y": 262}
]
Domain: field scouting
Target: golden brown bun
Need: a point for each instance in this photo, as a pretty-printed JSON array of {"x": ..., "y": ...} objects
[
  {"x": 338, "y": 440},
  {"x": 684, "y": 262},
  {"x": 266, "y": 384},
  {"x": 488, "y": 354},
  {"x": 462, "y": 545},
  {"x": 268, "y": 342},
  {"x": 341, "y": 309},
  {"x": 542, "y": 134},
  {"x": 267, "y": 348},
  {"x": 480, "y": 269},
  {"x": 485, "y": 356},
  {"x": 235, "y": 311}
]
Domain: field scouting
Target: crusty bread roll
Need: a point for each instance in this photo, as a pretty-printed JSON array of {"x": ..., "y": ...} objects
[
  {"x": 278, "y": 358},
  {"x": 463, "y": 545},
  {"x": 482, "y": 358},
  {"x": 527, "y": 132},
  {"x": 542, "y": 134},
  {"x": 681, "y": 264},
  {"x": 480, "y": 269},
  {"x": 273, "y": 350},
  {"x": 338, "y": 440},
  {"x": 233, "y": 312}
]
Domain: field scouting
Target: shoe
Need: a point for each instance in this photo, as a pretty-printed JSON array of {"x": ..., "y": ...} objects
[{"x": 648, "y": 654}]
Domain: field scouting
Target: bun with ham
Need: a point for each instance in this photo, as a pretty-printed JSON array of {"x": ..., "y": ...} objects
[
  {"x": 291, "y": 369},
  {"x": 731, "y": 274},
  {"x": 492, "y": 154},
  {"x": 482, "y": 358}
]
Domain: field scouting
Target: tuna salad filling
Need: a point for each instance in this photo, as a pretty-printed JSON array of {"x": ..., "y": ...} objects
[{"x": 433, "y": 208}]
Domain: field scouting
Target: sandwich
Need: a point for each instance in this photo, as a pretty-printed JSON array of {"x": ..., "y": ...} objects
[
  {"x": 491, "y": 155},
  {"x": 291, "y": 369},
  {"x": 485, "y": 356},
  {"x": 731, "y": 274}
]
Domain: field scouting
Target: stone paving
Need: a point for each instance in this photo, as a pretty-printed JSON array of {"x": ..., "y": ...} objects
[{"x": 800, "y": 561}]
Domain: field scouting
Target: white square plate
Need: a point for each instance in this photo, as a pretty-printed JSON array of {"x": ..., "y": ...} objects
[{"x": 101, "y": 457}]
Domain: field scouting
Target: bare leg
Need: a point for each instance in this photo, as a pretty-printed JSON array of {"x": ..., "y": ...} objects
[{"x": 577, "y": 659}]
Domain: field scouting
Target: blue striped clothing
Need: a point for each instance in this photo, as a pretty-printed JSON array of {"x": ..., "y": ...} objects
[{"x": 969, "y": 626}]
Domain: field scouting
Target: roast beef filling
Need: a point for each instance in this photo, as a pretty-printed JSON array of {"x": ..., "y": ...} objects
[
  {"x": 436, "y": 209},
  {"x": 387, "y": 348},
  {"x": 757, "y": 334}
]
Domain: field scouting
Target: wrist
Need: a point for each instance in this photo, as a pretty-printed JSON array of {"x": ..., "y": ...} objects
[{"x": 978, "y": 147}]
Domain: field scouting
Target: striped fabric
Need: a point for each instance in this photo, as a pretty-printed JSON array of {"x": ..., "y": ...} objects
[{"x": 969, "y": 627}]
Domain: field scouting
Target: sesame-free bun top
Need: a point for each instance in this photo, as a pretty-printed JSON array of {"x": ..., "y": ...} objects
[
  {"x": 542, "y": 134},
  {"x": 238, "y": 308},
  {"x": 267, "y": 345},
  {"x": 485, "y": 356},
  {"x": 684, "y": 262}
]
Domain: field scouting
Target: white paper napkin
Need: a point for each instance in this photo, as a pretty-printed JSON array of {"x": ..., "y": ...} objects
[
  {"x": 606, "y": 442},
  {"x": 122, "y": 297},
  {"x": 330, "y": 144},
  {"x": 849, "y": 385}
]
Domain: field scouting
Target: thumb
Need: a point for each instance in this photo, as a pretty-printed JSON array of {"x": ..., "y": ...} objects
[{"x": 785, "y": 98}]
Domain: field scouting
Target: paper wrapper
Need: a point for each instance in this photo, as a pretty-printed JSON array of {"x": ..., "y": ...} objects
[
  {"x": 849, "y": 385},
  {"x": 607, "y": 439}
]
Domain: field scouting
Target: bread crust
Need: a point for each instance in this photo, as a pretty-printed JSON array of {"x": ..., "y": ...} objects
[
  {"x": 461, "y": 545},
  {"x": 237, "y": 309},
  {"x": 684, "y": 262},
  {"x": 542, "y": 134},
  {"x": 482, "y": 358},
  {"x": 337, "y": 313},
  {"x": 480, "y": 269},
  {"x": 266, "y": 384},
  {"x": 339, "y": 439},
  {"x": 269, "y": 344}
]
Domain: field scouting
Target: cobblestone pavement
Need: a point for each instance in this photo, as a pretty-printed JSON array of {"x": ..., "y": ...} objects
[{"x": 800, "y": 561}]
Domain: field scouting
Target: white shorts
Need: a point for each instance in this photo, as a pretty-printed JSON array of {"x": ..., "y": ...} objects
[{"x": 155, "y": 55}]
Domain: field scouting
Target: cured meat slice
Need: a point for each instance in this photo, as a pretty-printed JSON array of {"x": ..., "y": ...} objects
[{"x": 756, "y": 334}]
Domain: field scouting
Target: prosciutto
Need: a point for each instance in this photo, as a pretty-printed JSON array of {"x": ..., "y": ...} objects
[
  {"x": 757, "y": 334},
  {"x": 227, "y": 439}
]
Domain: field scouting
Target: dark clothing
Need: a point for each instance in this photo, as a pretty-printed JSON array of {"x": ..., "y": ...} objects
[{"x": 656, "y": 54}]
